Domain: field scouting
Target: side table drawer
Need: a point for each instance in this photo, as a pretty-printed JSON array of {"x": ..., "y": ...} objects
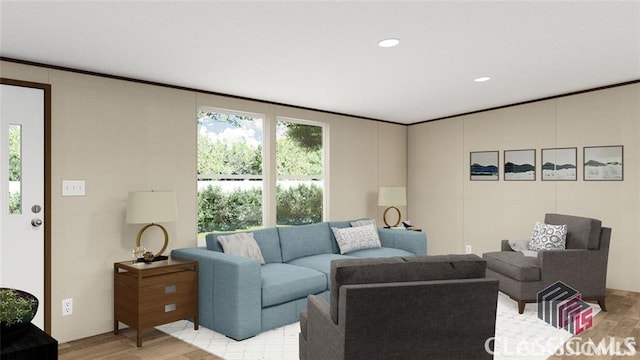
[
  {"x": 166, "y": 310},
  {"x": 167, "y": 298},
  {"x": 178, "y": 283}
]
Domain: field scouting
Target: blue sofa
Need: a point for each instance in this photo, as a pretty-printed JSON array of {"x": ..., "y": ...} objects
[{"x": 240, "y": 298}]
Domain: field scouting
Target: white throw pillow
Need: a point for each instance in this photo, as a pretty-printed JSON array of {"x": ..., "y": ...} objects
[
  {"x": 241, "y": 244},
  {"x": 519, "y": 245},
  {"x": 548, "y": 237},
  {"x": 523, "y": 247},
  {"x": 364, "y": 222},
  {"x": 357, "y": 238}
]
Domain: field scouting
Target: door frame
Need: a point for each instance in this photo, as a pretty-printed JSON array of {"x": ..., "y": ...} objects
[{"x": 47, "y": 191}]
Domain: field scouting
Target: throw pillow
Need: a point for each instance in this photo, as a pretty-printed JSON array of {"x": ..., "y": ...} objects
[
  {"x": 523, "y": 247},
  {"x": 357, "y": 238},
  {"x": 519, "y": 245},
  {"x": 548, "y": 237},
  {"x": 364, "y": 222},
  {"x": 241, "y": 244}
]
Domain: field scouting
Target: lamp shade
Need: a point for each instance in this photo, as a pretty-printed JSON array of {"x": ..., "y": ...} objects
[
  {"x": 144, "y": 207},
  {"x": 392, "y": 196}
]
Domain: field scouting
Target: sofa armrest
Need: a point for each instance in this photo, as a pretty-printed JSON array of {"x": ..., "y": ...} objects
[
  {"x": 230, "y": 292},
  {"x": 584, "y": 270},
  {"x": 412, "y": 241},
  {"x": 325, "y": 339}
]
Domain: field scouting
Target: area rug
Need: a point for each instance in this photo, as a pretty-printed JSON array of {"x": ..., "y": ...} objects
[{"x": 518, "y": 336}]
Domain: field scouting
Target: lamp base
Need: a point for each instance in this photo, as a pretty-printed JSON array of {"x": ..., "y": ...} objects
[
  {"x": 384, "y": 217},
  {"x": 157, "y": 258},
  {"x": 164, "y": 246}
]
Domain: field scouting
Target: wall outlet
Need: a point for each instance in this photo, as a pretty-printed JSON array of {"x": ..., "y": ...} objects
[
  {"x": 67, "y": 306},
  {"x": 467, "y": 249}
]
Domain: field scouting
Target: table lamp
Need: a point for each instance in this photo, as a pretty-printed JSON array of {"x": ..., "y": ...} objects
[
  {"x": 392, "y": 197},
  {"x": 151, "y": 208}
]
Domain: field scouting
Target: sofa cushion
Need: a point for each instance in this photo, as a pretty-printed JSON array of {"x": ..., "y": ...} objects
[
  {"x": 304, "y": 240},
  {"x": 357, "y": 238},
  {"x": 320, "y": 263},
  {"x": 514, "y": 265},
  {"x": 548, "y": 237},
  {"x": 241, "y": 244},
  {"x": 266, "y": 238},
  {"x": 380, "y": 252},
  {"x": 401, "y": 269},
  {"x": 582, "y": 232},
  {"x": 284, "y": 282}
]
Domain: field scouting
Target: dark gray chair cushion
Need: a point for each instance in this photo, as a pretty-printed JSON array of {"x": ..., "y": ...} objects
[
  {"x": 514, "y": 265},
  {"x": 401, "y": 269},
  {"x": 582, "y": 232}
]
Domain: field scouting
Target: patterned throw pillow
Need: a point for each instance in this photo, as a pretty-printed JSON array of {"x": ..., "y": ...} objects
[
  {"x": 548, "y": 237},
  {"x": 364, "y": 222},
  {"x": 357, "y": 238},
  {"x": 241, "y": 244}
]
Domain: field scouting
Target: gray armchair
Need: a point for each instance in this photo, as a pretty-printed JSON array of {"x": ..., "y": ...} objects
[
  {"x": 582, "y": 266},
  {"x": 425, "y": 307}
]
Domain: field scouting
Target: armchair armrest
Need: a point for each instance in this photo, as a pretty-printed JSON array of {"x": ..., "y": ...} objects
[
  {"x": 412, "y": 241},
  {"x": 582, "y": 269},
  {"x": 229, "y": 292},
  {"x": 504, "y": 246},
  {"x": 325, "y": 339}
]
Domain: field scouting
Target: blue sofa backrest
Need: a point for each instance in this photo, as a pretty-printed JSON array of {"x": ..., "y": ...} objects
[
  {"x": 285, "y": 243},
  {"x": 305, "y": 240},
  {"x": 267, "y": 239}
]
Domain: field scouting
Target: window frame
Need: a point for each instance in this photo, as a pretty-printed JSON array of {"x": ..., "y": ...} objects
[{"x": 269, "y": 176}]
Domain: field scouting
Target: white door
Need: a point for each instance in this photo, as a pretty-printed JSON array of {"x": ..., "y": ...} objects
[{"x": 22, "y": 192}]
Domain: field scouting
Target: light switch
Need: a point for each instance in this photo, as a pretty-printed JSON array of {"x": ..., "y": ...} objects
[{"x": 73, "y": 188}]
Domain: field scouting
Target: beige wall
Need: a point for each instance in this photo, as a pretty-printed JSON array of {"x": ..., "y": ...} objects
[
  {"x": 456, "y": 211},
  {"x": 123, "y": 136}
]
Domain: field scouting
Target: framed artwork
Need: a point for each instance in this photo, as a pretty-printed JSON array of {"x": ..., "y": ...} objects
[
  {"x": 484, "y": 165},
  {"x": 559, "y": 164},
  {"x": 603, "y": 163},
  {"x": 520, "y": 164}
]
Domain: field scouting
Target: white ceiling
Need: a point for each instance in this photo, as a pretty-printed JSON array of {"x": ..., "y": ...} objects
[{"x": 323, "y": 55}]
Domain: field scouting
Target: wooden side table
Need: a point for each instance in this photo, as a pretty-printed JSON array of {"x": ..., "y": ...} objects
[{"x": 152, "y": 294}]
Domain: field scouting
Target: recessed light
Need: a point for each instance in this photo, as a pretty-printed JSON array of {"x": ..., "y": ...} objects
[
  {"x": 482, "y": 79},
  {"x": 386, "y": 43}
]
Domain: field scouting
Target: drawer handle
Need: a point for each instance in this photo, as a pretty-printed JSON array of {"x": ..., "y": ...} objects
[
  {"x": 169, "y": 289},
  {"x": 170, "y": 308}
]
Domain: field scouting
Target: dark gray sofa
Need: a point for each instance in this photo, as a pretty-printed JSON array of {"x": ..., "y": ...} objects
[
  {"x": 582, "y": 266},
  {"x": 424, "y": 307}
]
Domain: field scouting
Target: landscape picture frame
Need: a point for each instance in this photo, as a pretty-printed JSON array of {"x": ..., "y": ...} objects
[
  {"x": 559, "y": 164},
  {"x": 603, "y": 163},
  {"x": 484, "y": 166},
  {"x": 519, "y": 165}
]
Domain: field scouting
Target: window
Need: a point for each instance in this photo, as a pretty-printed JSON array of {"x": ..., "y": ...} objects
[
  {"x": 300, "y": 169},
  {"x": 230, "y": 175},
  {"x": 15, "y": 169}
]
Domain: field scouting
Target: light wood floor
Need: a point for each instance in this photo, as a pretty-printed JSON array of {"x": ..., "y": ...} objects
[
  {"x": 155, "y": 345},
  {"x": 620, "y": 321}
]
